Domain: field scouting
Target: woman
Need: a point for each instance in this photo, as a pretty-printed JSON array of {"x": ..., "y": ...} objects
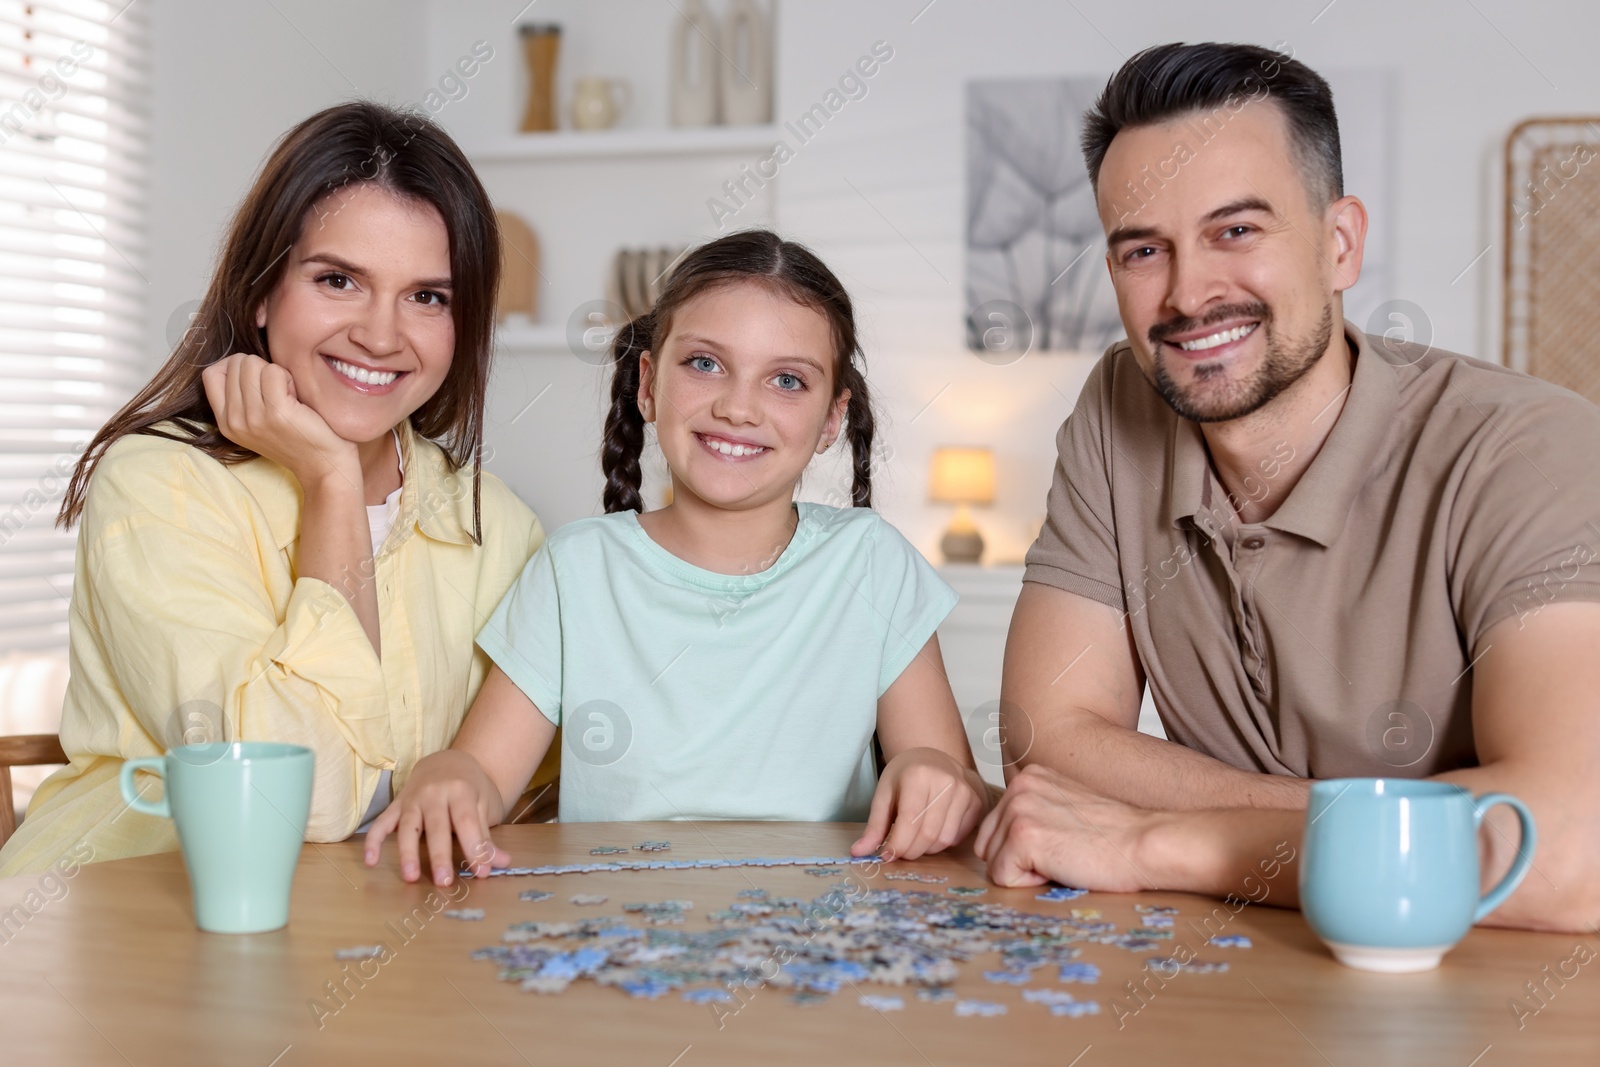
[{"x": 285, "y": 535}]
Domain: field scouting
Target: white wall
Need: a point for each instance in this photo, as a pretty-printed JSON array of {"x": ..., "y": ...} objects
[
  {"x": 231, "y": 77},
  {"x": 227, "y": 81},
  {"x": 1460, "y": 86}
]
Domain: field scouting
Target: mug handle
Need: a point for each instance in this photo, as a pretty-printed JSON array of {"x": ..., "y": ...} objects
[
  {"x": 1519, "y": 867},
  {"x": 154, "y": 764}
]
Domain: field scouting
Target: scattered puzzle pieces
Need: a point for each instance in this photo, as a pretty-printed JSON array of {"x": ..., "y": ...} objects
[
  {"x": 653, "y": 846},
  {"x": 916, "y": 939}
]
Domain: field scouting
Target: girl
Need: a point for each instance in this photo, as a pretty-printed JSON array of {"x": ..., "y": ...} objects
[
  {"x": 273, "y": 547},
  {"x": 730, "y": 655}
]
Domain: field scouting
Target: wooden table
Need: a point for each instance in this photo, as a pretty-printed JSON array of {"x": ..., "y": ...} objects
[{"x": 113, "y": 971}]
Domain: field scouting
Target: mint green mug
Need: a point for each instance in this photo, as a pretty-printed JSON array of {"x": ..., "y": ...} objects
[{"x": 241, "y": 811}]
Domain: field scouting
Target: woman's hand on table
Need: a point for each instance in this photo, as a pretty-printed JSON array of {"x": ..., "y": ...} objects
[
  {"x": 925, "y": 802},
  {"x": 255, "y": 405},
  {"x": 448, "y": 795}
]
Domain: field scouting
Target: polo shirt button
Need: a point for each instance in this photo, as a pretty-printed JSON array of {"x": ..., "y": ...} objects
[{"x": 1254, "y": 542}]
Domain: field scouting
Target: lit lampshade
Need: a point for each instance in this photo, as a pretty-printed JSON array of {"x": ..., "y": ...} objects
[{"x": 962, "y": 476}]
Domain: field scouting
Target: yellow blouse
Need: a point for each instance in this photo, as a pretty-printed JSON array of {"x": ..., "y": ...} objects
[{"x": 188, "y": 623}]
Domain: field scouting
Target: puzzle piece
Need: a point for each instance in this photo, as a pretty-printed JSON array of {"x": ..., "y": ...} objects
[
  {"x": 358, "y": 952},
  {"x": 608, "y": 850},
  {"x": 1231, "y": 941},
  {"x": 1008, "y": 977},
  {"x": 1059, "y": 893},
  {"x": 882, "y": 1004},
  {"x": 1079, "y": 972},
  {"x": 979, "y": 1007},
  {"x": 653, "y": 846},
  {"x": 533, "y": 896},
  {"x": 465, "y": 914},
  {"x": 589, "y": 899}
]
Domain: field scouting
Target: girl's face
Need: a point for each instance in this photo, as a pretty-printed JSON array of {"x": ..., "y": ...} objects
[
  {"x": 741, "y": 394},
  {"x": 361, "y": 317}
]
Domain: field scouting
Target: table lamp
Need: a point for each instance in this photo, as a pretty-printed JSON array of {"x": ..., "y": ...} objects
[{"x": 962, "y": 476}]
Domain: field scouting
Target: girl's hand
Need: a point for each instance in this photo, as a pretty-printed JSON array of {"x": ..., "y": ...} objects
[
  {"x": 447, "y": 794},
  {"x": 932, "y": 800},
  {"x": 256, "y": 406}
]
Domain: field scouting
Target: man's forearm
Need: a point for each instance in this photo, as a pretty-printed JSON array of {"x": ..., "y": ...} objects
[
  {"x": 1150, "y": 772},
  {"x": 1249, "y": 854}
]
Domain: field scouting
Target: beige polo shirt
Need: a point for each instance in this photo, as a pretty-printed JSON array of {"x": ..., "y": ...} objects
[{"x": 1335, "y": 638}]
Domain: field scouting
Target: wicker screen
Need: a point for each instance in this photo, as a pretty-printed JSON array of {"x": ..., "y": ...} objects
[{"x": 1552, "y": 292}]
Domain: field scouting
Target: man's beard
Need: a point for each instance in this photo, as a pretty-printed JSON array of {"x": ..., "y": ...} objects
[{"x": 1286, "y": 360}]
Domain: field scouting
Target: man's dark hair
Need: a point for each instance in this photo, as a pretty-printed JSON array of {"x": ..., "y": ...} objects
[{"x": 1170, "y": 81}]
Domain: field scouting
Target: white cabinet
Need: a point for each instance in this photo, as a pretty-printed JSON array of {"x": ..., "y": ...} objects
[{"x": 973, "y": 640}]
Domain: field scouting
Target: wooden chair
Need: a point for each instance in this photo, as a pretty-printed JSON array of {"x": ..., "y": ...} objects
[
  {"x": 22, "y": 750},
  {"x": 539, "y": 805}
]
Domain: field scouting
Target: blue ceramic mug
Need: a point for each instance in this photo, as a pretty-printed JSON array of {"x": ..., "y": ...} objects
[{"x": 1389, "y": 868}]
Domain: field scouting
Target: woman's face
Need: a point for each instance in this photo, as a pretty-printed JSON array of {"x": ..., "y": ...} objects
[
  {"x": 741, "y": 393},
  {"x": 361, "y": 317}
]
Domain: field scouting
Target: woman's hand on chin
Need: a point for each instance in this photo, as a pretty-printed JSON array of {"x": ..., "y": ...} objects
[{"x": 256, "y": 406}]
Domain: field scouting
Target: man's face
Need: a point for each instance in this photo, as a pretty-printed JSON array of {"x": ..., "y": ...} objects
[{"x": 1226, "y": 272}]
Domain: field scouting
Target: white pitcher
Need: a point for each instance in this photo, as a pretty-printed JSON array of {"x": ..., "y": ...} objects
[
  {"x": 695, "y": 84},
  {"x": 595, "y": 104},
  {"x": 747, "y": 65}
]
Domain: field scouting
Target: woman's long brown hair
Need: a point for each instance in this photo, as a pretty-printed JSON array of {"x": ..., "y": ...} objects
[{"x": 356, "y": 143}]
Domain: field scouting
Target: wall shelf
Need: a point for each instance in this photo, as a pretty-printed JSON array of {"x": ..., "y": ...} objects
[{"x": 602, "y": 144}]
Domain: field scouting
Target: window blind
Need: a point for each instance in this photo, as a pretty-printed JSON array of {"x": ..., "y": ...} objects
[{"x": 73, "y": 143}]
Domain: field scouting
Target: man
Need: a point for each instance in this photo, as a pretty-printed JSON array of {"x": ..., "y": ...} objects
[{"x": 1328, "y": 554}]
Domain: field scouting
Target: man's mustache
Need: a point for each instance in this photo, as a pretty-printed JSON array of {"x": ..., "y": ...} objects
[{"x": 1163, "y": 330}]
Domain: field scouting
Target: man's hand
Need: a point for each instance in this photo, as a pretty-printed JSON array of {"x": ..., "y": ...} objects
[
  {"x": 1049, "y": 828},
  {"x": 932, "y": 801}
]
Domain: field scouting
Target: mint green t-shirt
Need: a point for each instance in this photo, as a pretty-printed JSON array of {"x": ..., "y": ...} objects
[{"x": 686, "y": 694}]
